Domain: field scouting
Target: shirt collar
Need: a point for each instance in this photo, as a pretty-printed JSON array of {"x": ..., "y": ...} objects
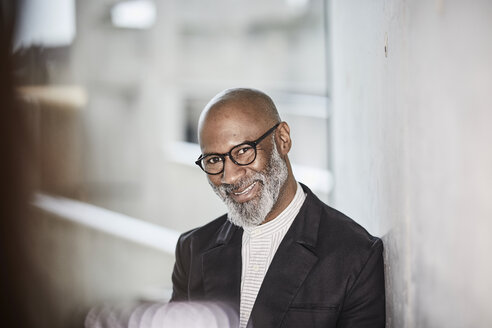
[{"x": 283, "y": 219}]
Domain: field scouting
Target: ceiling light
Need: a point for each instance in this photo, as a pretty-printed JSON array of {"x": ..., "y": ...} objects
[{"x": 137, "y": 14}]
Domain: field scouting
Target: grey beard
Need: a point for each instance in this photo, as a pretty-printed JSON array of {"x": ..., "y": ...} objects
[{"x": 253, "y": 212}]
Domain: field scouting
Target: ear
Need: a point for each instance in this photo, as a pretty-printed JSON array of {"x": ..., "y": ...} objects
[{"x": 282, "y": 138}]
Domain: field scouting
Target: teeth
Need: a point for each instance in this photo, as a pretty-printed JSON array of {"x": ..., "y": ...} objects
[{"x": 245, "y": 190}]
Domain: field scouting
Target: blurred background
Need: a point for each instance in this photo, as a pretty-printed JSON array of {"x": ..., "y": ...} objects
[{"x": 389, "y": 105}]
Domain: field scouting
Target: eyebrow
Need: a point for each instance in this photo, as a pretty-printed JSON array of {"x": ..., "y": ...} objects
[
  {"x": 239, "y": 144},
  {"x": 208, "y": 154}
]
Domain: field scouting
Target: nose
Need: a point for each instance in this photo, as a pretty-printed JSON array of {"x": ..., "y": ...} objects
[{"x": 232, "y": 173}]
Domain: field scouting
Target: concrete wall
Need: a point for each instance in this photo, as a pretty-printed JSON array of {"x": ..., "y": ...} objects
[{"x": 412, "y": 114}]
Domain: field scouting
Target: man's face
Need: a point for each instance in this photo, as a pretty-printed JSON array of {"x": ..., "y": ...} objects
[
  {"x": 269, "y": 181},
  {"x": 250, "y": 192}
]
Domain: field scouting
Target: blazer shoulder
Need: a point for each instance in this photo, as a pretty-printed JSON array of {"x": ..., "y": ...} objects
[
  {"x": 343, "y": 223},
  {"x": 203, "y": 234},
  {"x": 338, "y": 231},
  {"x": 346, "y": 245}
]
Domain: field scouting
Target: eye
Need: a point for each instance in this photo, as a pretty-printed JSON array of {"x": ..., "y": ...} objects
[
  {"x": 213, "y": 160},
  {"x": 244, "y": 149}
]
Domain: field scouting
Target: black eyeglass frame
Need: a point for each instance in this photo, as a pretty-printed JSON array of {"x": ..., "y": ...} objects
[{"x": 229, "y": 153}]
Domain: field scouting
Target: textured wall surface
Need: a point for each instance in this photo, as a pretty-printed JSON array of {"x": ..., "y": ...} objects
[{"x": 412, "y": 114}]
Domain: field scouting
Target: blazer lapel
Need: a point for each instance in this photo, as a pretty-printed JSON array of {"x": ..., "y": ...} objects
[
  {"x": 221, "y": 267},
  {"x": 290, "y": 266}
]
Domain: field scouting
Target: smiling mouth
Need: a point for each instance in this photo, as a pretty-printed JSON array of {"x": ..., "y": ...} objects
[{"x": 245, "y": 190}]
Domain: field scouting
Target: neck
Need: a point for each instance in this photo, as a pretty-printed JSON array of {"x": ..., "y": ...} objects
[{"x": 286, "y": 195}]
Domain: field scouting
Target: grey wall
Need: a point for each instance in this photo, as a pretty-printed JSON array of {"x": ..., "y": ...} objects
[{"x": 412, "y": 156}]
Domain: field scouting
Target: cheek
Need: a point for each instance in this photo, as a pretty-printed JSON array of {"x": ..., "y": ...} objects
[
  {"x": 261, "y": 162},
  {"x": 214, "y": 179}
]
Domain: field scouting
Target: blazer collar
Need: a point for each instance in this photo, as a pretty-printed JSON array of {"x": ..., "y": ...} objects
[
  {"x": 306, "y": 224},
  {"x": 222, "y": 263},
  {"x": 290, "y": 266},
  {"x": 221, "y": 266},
  {"x": 226, "y": 233}
]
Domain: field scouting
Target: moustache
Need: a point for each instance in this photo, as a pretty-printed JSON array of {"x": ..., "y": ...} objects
[{"x": 227, "y": 189}]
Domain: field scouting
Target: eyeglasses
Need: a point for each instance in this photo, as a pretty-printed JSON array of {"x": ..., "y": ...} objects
[{"x": 242, "y": 154}]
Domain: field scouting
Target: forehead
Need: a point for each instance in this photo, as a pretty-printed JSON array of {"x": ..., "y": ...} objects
[{"x": 230, "y": 125}]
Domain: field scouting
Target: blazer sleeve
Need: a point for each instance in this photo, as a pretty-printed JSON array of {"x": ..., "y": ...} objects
[
  {"x": 364, "y": 305},
  {"x": 180, "y": 272}
]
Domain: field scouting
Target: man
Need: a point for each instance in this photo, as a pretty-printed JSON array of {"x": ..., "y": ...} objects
[{"x": 280, "y": 257}]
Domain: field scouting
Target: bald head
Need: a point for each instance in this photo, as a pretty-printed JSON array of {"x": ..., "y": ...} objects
[{"x": 251, "y": 106}]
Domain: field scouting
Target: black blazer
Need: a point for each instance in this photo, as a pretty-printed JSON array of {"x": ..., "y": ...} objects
[{"x": 327, "y": 272}]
